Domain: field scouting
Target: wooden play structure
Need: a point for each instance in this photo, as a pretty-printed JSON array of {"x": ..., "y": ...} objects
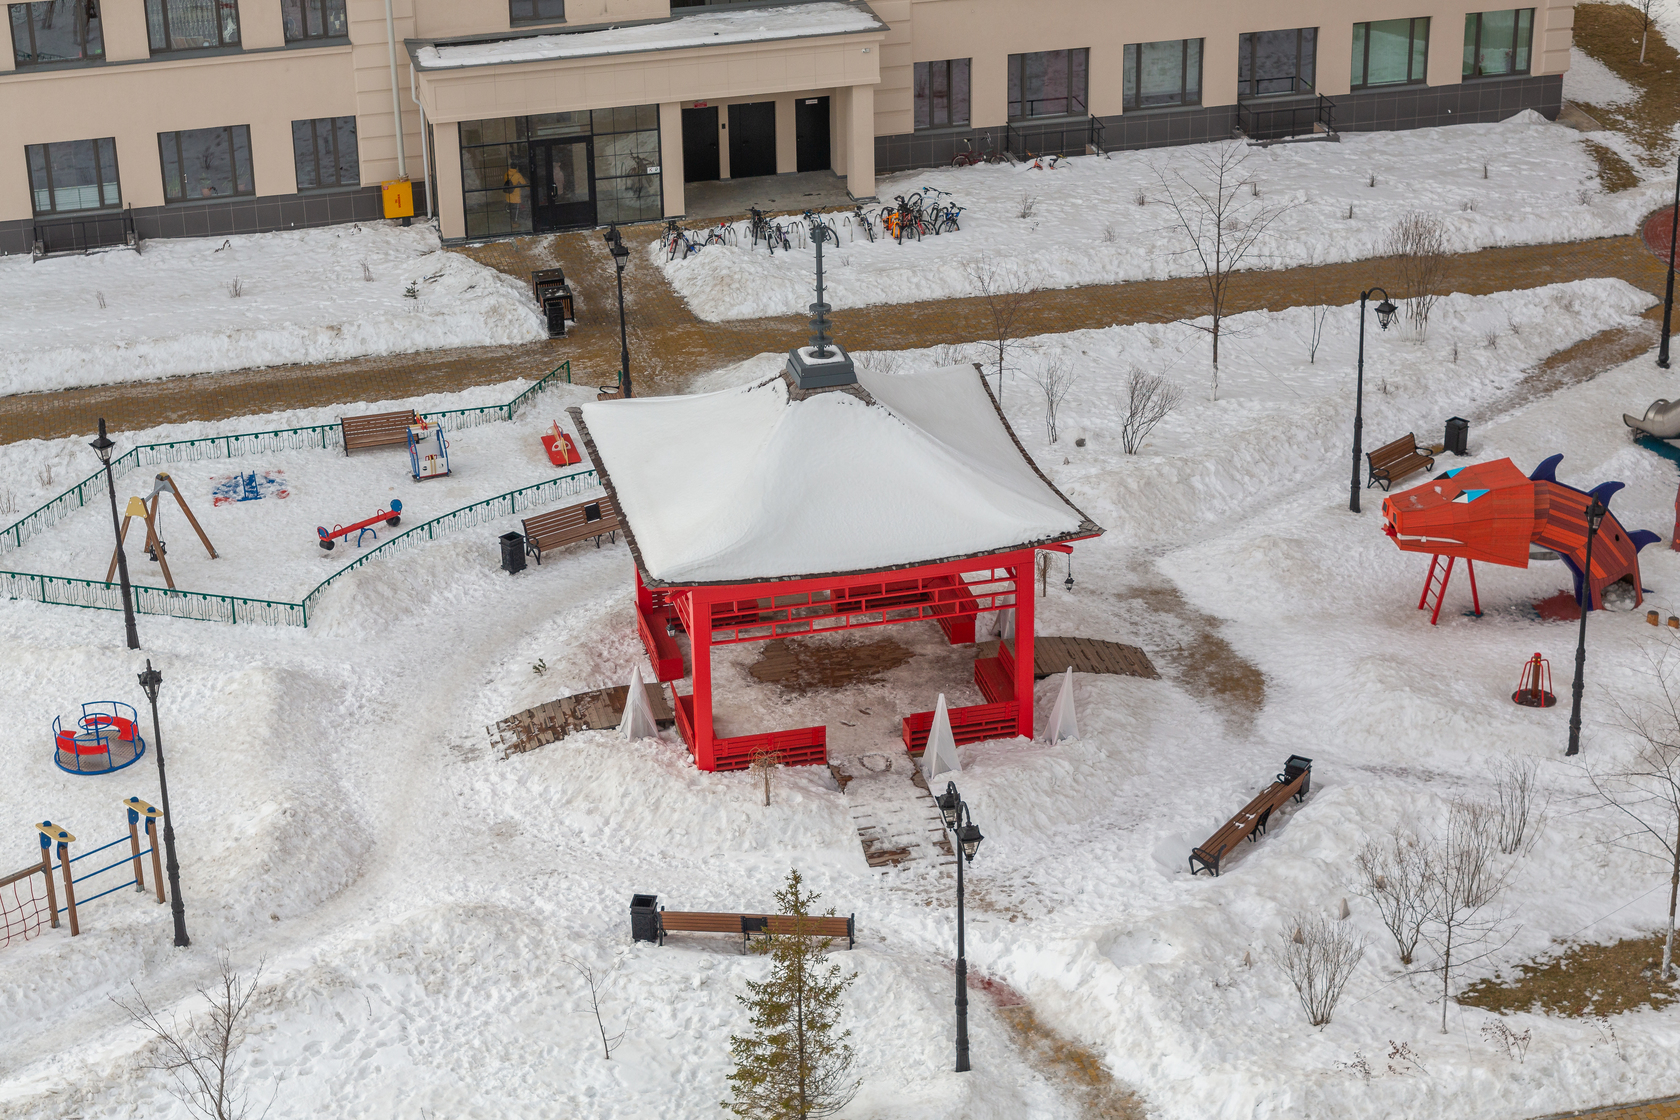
[
  {"x": 829, "y": 504},
  {"x": 379, "y": 429},
  {"x": 650, "y": 922},
  {"x": 1250, "y": 822},
  {"x": 1494, "y": 513},
  {"x": 571, "y": 524},
  {"x": 143, "y": 819},
  {"x": 147, "y": 509},
  {"x": 104, "y": 738}
]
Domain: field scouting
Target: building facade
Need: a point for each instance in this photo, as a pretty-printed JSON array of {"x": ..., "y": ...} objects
[{"x": 211, "y": 117}]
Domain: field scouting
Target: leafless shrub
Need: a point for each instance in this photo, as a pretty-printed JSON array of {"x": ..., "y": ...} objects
[
  {"x": 1373, "y": 181},
  {"x": 1607, "y": 1031},
  {"x": 1418, "y": 243},
  {"x": 1519, "y": 802},
  {"x": 948, "y": 354},
  {"x": 1403, "y": 1052},
  {"x": 43, "y": 475},
  {"x": 1110, "y": 234},
  {"x": 1054, "y": 378},
  {"x": 1319, "y": 957},
  {"x": 883, "y": 361},
  {"x": 200, "y": 1055},
  {"x": 1319, "y": 315},
  {"x": 1484, "y": 171},
  {"x": 1350, "y": 212},
  {"x": 765, "y": 763},
  {"x": 1467, "y": 206},
  {"x": 1254, "y": 188},
  {"x": 1584, "y": 197},
  {"x": 597, "y": 985},
  {"x": 1139, "y": 197},
  {"x": 367, "y": 273},
  {"x": 1391, "y": 876},
  {"x": 1463, "y": 876},
  {"x": 100, "y": 296},
  {"x": 1361, "y": 1065},
  {"x": 1003, "y": 298},
  {"x": 1029, "y": 203},
  {"x": 1491, "y": 340},
  {"x": 235, "y": 288},
  {"x": 8, "y": 502},
  {"x": 1515, "y": 1045},
  {"x": 1149, "y": 398},
  {"x": 1455, "y": 353}
]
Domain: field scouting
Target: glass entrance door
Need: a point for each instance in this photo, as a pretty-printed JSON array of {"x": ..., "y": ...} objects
[{"x": 562, "y": 184}]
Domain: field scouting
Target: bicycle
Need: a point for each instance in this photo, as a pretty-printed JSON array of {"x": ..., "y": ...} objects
[
  {"x": 969, "y": 157},
  {"x": 862, "y": 218},
  {"x": 676, "y": 242}
]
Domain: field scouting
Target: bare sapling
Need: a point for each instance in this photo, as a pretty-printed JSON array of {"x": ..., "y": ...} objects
[
  {"x": 235, "y": 288},
  {"x": 1221, "y": 224},
  {"x": 1644, "y": 7},
  {"x": 1391, "y": 875},
  {"x": 1029, "y": 205},
  {"x": 764, "y": 765},
  {"x": 1319, "y": 315},
  {"x": 1319, "y": 956},
  {"x": 1418, "y": 244},
  {"x": 1463, "y": 878},
  {"x": 1149, "y": 398},
  {"x": 1054, "y": 378},
  {"x": 200, "y": 1053},
  {"x": 1002, "y": 297},
  {"x": 597, "y": 983},
  {"x": 1519, "y": 802}
]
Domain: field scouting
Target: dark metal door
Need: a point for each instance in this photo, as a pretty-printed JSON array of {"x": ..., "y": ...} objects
[
  {"x": 700, "y": 144},
  {"x": 810, "y": 126},
  {"x": 752, "y": 139},
  {"x": 562, "y": 184}
]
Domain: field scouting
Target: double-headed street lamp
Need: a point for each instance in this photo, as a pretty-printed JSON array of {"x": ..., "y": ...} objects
[
  {"x": 1595, "y": 517},
  {"x": 957, "y": 821},
  {"x": 621, "y": 256},
  {"x": 149, "y": 681},
  {"x": 1385, "y": 315},
  {"x": 102, "y": 447}
]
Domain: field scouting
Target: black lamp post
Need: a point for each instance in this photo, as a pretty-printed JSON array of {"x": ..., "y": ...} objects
[
  {"x": 620, "y": 256},
  {"x": 149, "y": 681},
  {"x": 1595, "y": 516},
  {"x": 957, "y": 821},
  {"x": 1385, "y": 316},
  {"x": 102, "y": 447},
  {"x": 1668, "y": 299}
]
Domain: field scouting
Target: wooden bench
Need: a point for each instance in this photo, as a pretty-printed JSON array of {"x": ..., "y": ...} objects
[
  {"x": 1251, "y": 821},
  {"x": 381, "y": 429},
  {"x": 781, "y": 925},
  {"x": 1394, "y": 461},
  {"x": 561, "y": 527}
]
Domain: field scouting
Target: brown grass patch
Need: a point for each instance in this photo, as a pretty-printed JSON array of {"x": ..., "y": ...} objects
[
  {"x": 1581, "y": 982},
  {"x": 1100, "y": 1097},
  {"x": 1614, "y": 172},
  {"x": 1610, "y": 33}
]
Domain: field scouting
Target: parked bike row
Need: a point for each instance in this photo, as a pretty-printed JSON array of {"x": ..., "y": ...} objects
[{"x": 921, "y": 214}]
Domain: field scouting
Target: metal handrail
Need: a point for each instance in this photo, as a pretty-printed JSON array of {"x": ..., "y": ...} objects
[
  {"x": 1260, "y": 121},
  {"x": 109, "y": 231}
]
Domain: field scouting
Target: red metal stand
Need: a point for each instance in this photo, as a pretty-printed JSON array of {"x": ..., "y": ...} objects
[
  {"x": 1534, "y": 687},
  {"x": 1440, "y": 592}
]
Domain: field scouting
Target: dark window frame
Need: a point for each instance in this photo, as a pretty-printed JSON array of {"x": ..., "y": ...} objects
[
  {"x": 313, "y": 153},
  {"x": 922, "y": 76},
  {"x": 1522, "y": 43},
  {"x": 95, "y": 24},
  {"x": 233, "y": 164},
  {"x": 327, "y": 9},
  {"x": 1131, "y": 76},
  {"x": 1412, "y": 79},
  {"x": 222, "y": 41},
  {"x": 1249, "y": 42},
  {"x": 52, "y": 190},
  {"x": 535, "y": 6},
  {"x": 1019, "y": 110}
]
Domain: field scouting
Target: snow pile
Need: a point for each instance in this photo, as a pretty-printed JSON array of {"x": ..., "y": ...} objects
[
  {"x": 304, "y": 297},
  {"x": 1086, "y": 226}
]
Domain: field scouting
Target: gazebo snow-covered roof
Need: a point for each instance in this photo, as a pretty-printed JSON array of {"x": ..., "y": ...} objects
[{"x": 767, "y": 482}]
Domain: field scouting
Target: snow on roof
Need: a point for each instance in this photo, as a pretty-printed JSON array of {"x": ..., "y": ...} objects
[
  {"x": 703, "y": 29},
  {"x": 748, "y": 485}
]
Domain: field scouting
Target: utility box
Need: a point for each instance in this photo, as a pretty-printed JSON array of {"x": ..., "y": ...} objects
[
  {"x": 554, "y": 296},
  {"x": 644, "y": 917},
  {"x": 398, "y": 196},
  {"x": 1458, "y": 435},
  {"x": 513, "y": 552}
]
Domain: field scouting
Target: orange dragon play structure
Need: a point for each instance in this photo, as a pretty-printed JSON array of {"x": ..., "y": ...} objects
[{"x": 1492, "y": 512}]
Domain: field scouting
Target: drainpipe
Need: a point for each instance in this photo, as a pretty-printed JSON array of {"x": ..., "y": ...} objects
[
  {"x": 396, "y": 98},
  {"x": 425, "y": 151}
]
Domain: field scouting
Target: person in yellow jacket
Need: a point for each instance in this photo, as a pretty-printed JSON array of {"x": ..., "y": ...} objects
[{"x": 513, "y": 192}]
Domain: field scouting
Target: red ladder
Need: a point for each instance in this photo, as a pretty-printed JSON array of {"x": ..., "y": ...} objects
[{"x": 1440, "y": 592}]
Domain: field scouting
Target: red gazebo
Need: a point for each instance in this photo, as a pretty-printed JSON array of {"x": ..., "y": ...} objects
[{"x": 775, "y": 511}]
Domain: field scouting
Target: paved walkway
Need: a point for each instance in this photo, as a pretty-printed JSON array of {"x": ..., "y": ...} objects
[
  {"x": 1667, "y": 1108},
  {"x": 668, "y": 344}
]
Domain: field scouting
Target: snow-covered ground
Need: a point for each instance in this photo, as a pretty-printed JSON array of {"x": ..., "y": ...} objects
[
  {"x": 306, "y": 296},
  {"x": 1591, "y": 81},
  {"x": 1086, "y": 226},
  {"x": 415, "y": 899}
]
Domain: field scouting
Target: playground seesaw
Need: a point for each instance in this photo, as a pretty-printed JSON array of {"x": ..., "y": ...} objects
[{"x": 390, "y": 517}]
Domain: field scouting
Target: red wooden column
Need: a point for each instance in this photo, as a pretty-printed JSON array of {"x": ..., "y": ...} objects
[
  {"x": 700, "y": 648},
  {"x": 1024, "y": 592}
]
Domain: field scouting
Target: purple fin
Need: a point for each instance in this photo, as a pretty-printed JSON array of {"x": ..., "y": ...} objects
[
  {"x": 1643, "y": 537},
  {"x": 1547, "y": 470},
  {"x": 1604, "y": 491}
]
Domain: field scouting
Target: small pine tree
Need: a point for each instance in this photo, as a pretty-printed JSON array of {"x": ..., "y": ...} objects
[{"x": 794, "y": 1065}]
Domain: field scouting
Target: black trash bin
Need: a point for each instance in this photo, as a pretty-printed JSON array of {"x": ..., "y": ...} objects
[
  {"x": 1292, "y": 768},
  {"x": 1458, "y": 435},
  {"x": 513, "y": 552},
  {"x": 644, "y": 917}
]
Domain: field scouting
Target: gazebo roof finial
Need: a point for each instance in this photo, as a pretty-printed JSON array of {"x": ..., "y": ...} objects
[{"x": 824, "y": 364}]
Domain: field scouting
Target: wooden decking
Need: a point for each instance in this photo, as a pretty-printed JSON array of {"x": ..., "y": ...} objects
[
  {"x": 587, "y": 711},
  {"x": 1052, "y": 655}
]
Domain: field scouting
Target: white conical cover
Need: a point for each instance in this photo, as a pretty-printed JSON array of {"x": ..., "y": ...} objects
[
  {"x": 1006, "y": 624},
  {"x": 941, "y": 754},
  {"x": 638, "y": 722},
  {"x": 1064, "y": 723}
]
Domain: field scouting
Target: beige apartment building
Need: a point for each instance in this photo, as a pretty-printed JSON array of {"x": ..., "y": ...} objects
[{"x": 168, "y": 118}]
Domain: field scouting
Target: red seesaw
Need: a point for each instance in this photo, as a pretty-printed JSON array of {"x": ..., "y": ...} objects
[{"x": 388, "y": 516}]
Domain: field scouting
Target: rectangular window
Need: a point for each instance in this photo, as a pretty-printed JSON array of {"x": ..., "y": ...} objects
[
  {"x": 192, "y": 25},
  {"x": 1390, "y": 52},
  {"x": 1048, "y": 84},
  {"x": 1162, "y": 74},
  {"x": 1276, "y": 62},
  {"x": 73, "y": 175},
  {"x": 206, "y": 163},
  {"x": 57, "y": 31},
  {"x": 1498, "y": 42},
  {"x": 536, "y": 11},
  {"x": 942, "y": 93},
  {"x": 314, "y": 19},
  {"x": 325, "y": 153}
]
